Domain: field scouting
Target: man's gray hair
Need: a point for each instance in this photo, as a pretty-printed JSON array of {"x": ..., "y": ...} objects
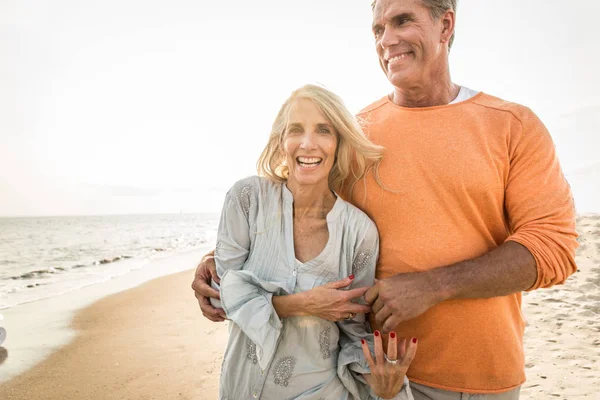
[{"x": 437, "y": 8}]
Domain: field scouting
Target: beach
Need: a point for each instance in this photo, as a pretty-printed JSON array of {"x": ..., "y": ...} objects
[{"x": 151, "y": 341}]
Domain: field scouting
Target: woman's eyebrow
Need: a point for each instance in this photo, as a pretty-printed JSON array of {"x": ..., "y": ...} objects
[{"x": 325, "y": 125}]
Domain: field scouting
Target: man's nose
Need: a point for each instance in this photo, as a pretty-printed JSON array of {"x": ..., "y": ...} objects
[{"x": 388, "y": 38}]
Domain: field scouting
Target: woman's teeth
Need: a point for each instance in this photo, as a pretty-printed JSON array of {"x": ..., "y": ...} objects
[{"x": 308, "y": 162}]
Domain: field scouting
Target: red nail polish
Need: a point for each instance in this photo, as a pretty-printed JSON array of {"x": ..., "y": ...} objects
[
  {"x": 393, "y": 335},
  {"x": 377, "y": 333},
  {"x": 362, "y": 341},
  {"x": 351, "y": 276},
  {"x": 414, "y": 340}
]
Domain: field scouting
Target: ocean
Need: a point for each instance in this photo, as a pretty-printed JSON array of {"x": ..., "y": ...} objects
[{"x": 42, "y": 257}]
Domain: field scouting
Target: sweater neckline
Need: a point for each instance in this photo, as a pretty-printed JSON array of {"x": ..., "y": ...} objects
[{"x": 388, "y": 100}]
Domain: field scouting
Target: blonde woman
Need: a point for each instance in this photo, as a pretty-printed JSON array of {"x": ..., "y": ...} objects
[{"x": 288, "y": 233}]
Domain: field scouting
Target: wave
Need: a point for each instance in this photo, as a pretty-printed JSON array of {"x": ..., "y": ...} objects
[{"x": 41, "y": 273}]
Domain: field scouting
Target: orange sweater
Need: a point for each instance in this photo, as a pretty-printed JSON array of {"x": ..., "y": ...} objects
[{"x": 466, "y": 178}]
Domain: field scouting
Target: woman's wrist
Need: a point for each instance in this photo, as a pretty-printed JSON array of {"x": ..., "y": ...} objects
[{"x": 293, "y": 305}]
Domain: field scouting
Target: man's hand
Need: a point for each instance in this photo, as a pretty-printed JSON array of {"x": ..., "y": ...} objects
[
  {"x": 331, "y": 303},
  {"x": 402, "y": 297},
  {"x": 206, "y": 271}
]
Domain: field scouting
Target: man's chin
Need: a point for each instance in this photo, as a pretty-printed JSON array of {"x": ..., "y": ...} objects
[{"x": 398, "y": 81}]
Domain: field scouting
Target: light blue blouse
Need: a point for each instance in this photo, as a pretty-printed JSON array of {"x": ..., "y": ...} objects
[{"x": 297, "y": 357}]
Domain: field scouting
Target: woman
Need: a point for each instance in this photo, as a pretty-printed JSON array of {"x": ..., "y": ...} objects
[{"x": 288, "y": 232}]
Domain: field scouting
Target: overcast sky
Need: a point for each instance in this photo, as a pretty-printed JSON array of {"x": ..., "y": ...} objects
[{"x": 130, "y": 106}]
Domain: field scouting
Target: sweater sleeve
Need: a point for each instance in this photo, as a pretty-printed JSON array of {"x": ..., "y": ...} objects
[{"x": 539, "y": 204}]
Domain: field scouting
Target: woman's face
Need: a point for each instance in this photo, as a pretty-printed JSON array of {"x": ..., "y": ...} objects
[{"x": 309, "y": 144}]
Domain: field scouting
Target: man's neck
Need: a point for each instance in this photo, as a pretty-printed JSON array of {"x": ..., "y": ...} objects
[{"x": 433, "y": 92}]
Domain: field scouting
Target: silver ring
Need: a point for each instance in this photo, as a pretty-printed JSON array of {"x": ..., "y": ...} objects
[
  {"x": 352, "y": 315},
  {"x": 390, "y": 361}
]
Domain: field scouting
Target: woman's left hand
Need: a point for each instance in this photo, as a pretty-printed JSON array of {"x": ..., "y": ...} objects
[{"x": 388, "y": 370}]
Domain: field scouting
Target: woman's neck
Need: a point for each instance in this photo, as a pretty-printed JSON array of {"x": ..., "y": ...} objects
[{"x": 312, "y": 201}]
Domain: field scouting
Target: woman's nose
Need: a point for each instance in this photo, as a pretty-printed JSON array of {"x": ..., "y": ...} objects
[{"x": 308, "y": 141}]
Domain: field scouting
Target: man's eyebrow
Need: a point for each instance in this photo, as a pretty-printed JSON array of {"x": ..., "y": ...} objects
[
  {"x": 407, "y": 16},
  {"x": 402, "y": 17}
]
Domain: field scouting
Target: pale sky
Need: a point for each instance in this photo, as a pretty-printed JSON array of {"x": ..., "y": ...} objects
[{"x": 130, "y": 106}]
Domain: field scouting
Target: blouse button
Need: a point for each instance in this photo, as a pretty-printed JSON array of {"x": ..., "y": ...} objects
[
  {"x": 255, "y": 395},
  {"x": 294, "y": 273}
]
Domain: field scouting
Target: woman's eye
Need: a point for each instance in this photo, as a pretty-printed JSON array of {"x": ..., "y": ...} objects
[{"x": 324, "y": 130}]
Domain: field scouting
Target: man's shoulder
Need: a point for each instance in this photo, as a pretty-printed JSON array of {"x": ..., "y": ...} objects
[
  {"x": 372, "y": 107},
  {"x": 490, "y": 102}
]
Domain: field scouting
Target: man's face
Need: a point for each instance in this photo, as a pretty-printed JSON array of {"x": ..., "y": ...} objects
[{"x": 408, "y": 41}]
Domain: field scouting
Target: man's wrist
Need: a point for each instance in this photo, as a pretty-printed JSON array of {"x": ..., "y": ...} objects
[{"x": 439, "y": 284}]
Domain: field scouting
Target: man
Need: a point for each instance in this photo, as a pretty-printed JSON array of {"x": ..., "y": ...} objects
[{"x": 478, "y": 212}]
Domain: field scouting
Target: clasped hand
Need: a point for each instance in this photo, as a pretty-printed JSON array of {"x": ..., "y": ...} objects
[{"x": 402, "y": 297}]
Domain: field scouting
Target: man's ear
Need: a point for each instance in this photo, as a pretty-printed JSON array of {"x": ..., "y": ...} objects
[{"x": 448, "y": 23}]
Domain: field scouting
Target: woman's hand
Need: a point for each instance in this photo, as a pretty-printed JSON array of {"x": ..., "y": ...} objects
[
  {"x": 388, "y": 371},
  {"x": 331, "y": 303}
]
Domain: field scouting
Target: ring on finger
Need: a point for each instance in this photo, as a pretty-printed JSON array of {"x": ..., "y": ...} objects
[
  {"x": 351, "y": 315},
  {"x": 390, "y": 361}
]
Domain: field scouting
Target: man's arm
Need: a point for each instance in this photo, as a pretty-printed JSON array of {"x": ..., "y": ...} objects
[{"x": 507, "y": 269}]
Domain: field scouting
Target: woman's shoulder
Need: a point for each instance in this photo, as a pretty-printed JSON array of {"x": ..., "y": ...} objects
[
  {"x": 253, "y": 190},
  {"x": 255, "y": 184},
  {"x": 356, "y": 219}
]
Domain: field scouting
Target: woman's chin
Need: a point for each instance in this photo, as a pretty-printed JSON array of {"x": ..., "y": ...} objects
[{"x": 307, "y": 179}]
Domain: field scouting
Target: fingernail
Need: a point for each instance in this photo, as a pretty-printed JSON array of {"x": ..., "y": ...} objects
[
  {"x": 414, "y": 340},
  {"x": 393, "y": 335},
  {"x": 351, "y": 277},
  {"x": 377, "y": 333},
  {"x": 362, "y": 341}
]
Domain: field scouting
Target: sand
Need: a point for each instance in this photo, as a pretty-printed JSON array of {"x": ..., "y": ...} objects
[
  {"x": 151, "y": 342},
  {"x": 562, "y": 338}
]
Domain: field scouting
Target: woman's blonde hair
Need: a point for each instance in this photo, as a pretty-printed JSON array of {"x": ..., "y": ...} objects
[{"x": 355, "y": 154}]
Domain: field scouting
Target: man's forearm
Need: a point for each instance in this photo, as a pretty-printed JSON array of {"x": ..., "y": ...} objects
[{"x": 507, "y": 269}]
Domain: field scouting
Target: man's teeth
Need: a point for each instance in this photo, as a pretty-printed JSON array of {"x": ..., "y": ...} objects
[{"x": 400, "y": 57}]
